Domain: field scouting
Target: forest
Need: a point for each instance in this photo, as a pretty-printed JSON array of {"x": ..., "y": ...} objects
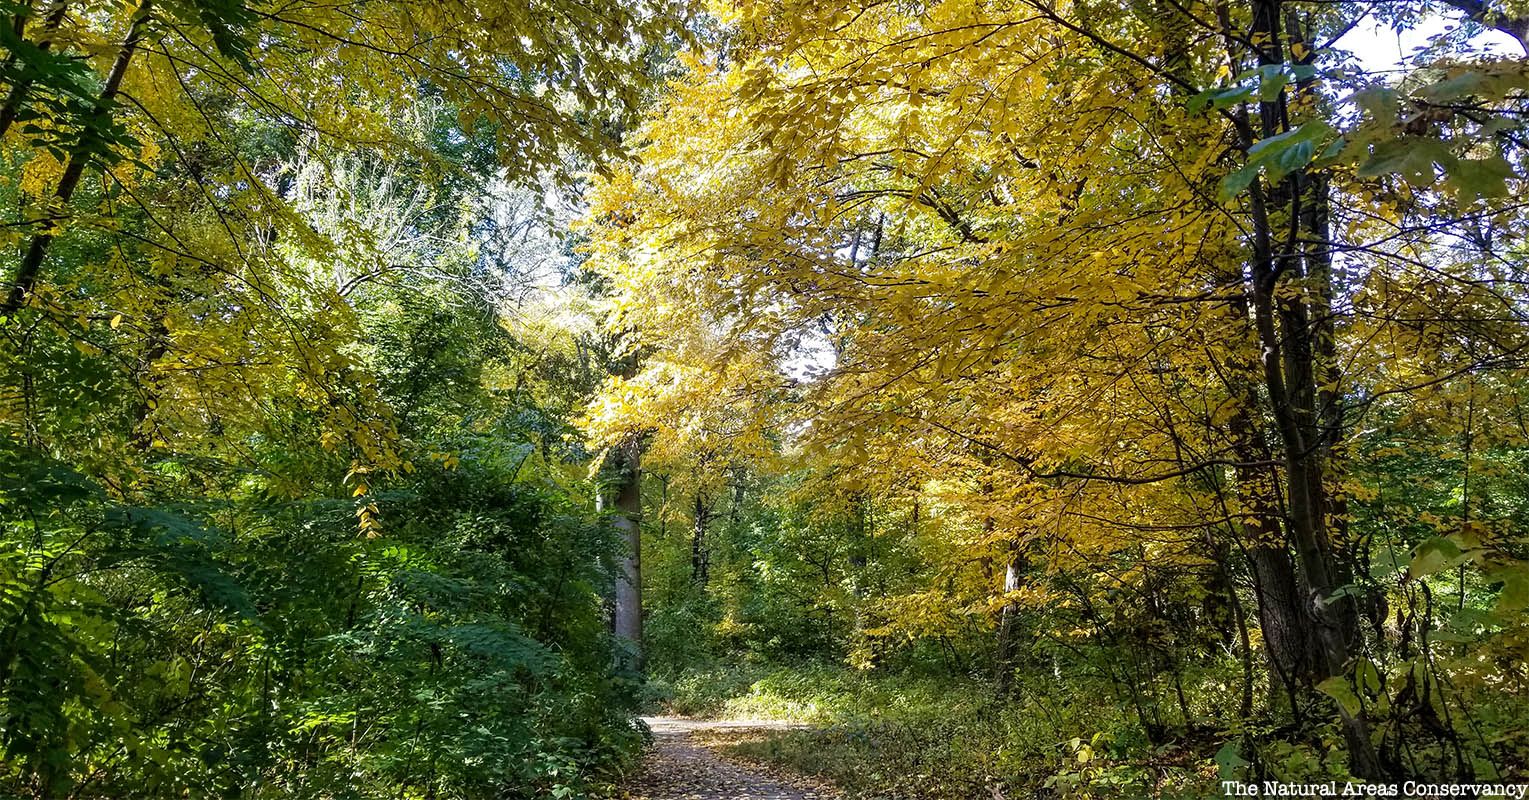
[{"x": 735, "y": 399}]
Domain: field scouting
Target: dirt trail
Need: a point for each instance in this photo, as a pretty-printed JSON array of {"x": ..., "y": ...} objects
[{"x": 677, "y": 768}]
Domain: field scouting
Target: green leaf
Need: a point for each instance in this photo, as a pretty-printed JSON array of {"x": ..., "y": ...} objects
[
  {"x": 1280, "y": 155},
  {"x": 1217, "y": 99},
  {"x": 1312, "y": 131},
  {"x": 1347, "y": 590},
  {"x": 1435, "y": 555},
  {"x": 1338, "y": 688},
  {"x": 1379, "y": 103},
  {"x": 1496, "y": 125},
  {"x": 1367, "y": 676},
  {"x": 1303, "y": 72},
  {"x": 1229, "y": 762},
  {"x": 1239, "y": 181},
  {"x": 1514, "y": 594},
  {"x": 1486, "y": 177},
  {"x": 1412, "y": 157},
  {"x": 1271, "y": 81},
  {"x": 1386, "y": 562},
  {"x": 1334, "y": 148},
  {"x": 1462, "y": 85},
  {"x": 1292, "y": 158}
]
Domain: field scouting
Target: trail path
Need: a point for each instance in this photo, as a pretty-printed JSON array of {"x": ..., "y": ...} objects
[{"x": 678, "y": 768}]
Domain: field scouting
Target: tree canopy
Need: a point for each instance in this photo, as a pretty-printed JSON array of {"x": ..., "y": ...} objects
[
  {"x": 1137, "y": 304},
  {"x": 398, "y": 397}
]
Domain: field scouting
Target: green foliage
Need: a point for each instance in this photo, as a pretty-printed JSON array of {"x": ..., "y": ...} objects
[
  {"x": 902, "y": 736},
  {"x": 289, "y": 505},
  {"x": 240, "y": 642}
]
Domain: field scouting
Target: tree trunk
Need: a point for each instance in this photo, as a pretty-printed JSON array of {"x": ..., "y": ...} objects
[
  {"x": 627, "y": 491},
  {"x": 1008, "y": 622},
  {"x": 699, "y": 557},
  {"x": 1278, "y": 590},
  {"x": 1284, "y": 621},
  {"x": 1284, "y": 324}
]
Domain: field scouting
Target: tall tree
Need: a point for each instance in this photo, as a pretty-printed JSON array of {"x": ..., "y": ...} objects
[{"x": 1145, "y": 258}]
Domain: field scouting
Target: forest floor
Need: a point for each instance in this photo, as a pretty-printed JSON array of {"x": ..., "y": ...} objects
[{"x": 683, "y": 764}]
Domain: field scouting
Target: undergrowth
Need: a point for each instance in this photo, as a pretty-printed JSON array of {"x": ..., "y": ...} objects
[
  {"x": 938, "y": 738},
  {"x": 888, "y": 736}
]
